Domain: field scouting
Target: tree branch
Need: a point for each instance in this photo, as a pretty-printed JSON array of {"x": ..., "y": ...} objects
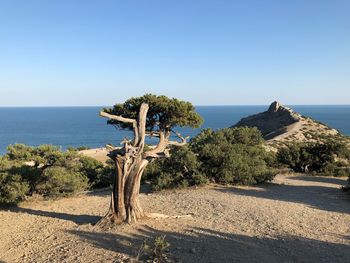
[
  {"x": 125, "y": 120},
  {"x": 141, "y": 126},
  {"x": 176, "y": 143},
  {"x": 161, "y": 146},
  {"x": 153, "y": 134},
  {"x": 116, "y": 117},
  {"x": 161, "y": 151}
]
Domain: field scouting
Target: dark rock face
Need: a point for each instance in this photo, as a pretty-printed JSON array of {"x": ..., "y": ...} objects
[{"x": 272, "y": 122}]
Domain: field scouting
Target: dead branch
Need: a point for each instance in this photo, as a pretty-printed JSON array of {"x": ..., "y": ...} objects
[
  {"x": 116, "y": 117},
  {"x": 123, "y": 119},
  {"x": 183, "y": 139}
]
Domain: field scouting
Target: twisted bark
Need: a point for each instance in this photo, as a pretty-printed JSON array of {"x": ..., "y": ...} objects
[{"x": 130, "y": 162}]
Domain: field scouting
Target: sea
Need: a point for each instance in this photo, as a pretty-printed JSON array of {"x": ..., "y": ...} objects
[{"x": 81, "y": 126}]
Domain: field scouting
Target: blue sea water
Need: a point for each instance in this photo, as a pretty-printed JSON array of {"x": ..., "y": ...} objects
[{"x": 81, "y": 126}]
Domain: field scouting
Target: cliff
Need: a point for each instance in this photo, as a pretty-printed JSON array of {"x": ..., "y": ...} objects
[{"x": 280, "y": 123}]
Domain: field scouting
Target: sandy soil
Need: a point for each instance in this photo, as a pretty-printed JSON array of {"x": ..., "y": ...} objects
[
  {"x": 100, "y": 154},
  {"x": 294, "y": 219}
]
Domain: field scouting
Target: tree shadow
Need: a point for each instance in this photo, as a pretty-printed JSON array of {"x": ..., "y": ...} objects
[
  {"x": 144, "y": 189},
  {"x": 206, "y": 245},
  {"x": 100, "y": 192},
  {"x": 319, "y": 179},
  {"x": 78, "y": 219},
  {"x": 319, "y": 197}
]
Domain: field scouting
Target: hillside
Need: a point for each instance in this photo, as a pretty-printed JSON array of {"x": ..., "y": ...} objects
[{"x": 282, "y": 124}]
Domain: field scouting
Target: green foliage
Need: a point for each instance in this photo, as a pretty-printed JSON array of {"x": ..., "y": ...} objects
[
  {"x": 242, "y": 135},
  {"x": 155, "y": 250},
  {"x": 19, "y": 152},
  {"x": 12, "y": 188},
  {"x": 164, "y": 112},
  {"x": 98, "y": 174},
  {"x": 59, "y": 181},
  {"x": 233, "y": 155},
  {"x": 79, "y": 148},
  {"x": 46, "y": 170},
  {"x": 180, "y": 170},
  {"x": 327, "y": 158}
]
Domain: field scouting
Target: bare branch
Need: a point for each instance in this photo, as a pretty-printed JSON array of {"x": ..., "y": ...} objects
[
  {"x": 116, "y": 117},
  {"x": 111, "y": 148},
  {"x": 141, "y": 126},
  {"x": 153, "y": 134},
  {"x": 183, "y": 140},
  {"x": 122, "y": 119},
  {"x": 164, "y": 154},
  {"x": 161, "y": 146}
]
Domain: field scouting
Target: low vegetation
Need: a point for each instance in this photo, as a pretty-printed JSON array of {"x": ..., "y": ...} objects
[
  {"x": 154, "y": 250},
  {"x": 182, "y": 169},
  {"x": 47, "y": 171},
  {"x": 226, "y": 156},
  {"x": 330, "y": 157}
]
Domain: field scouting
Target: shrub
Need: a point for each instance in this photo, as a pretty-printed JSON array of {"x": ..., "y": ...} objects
[
  {"x": 233, "y": 155},
  {"x": 98, "y": 174},
  {"x": 79, "y": 148},
  {"x": 58, "y": 181},
  {"x": 48, "y": 171},
  {"x": 12, "y": 188},
  {"x": 19, "y": 152},
  {"x": 180, "y": 170},
  {"x": 327, "y": 158},
  {"x": 154, "y": 250}
]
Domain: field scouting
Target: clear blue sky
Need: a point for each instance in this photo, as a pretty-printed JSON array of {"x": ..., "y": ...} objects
[{"x": 69, "y": 52}]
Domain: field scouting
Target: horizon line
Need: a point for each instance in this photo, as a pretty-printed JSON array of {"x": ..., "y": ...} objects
[{"x": 199, "y": 105}]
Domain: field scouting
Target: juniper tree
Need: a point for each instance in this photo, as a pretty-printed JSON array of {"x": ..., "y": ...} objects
[{"x": 149, "y": 115}]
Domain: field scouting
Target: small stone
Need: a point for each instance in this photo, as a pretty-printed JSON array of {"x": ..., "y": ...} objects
[{"x": 193, "y": 250}]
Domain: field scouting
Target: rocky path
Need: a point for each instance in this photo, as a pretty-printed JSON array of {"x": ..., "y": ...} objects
[{"x": 293, "y": 219}]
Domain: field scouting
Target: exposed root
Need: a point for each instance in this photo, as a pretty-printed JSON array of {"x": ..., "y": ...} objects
[{"x": 109, "y": 220}]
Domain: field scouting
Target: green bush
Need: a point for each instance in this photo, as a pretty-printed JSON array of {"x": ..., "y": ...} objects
[
  {"x": 58, "y": 181},
  {"x": 48, "y": 171},
  {"x": 99, "y": 175},
  {"x": 180, "y": 170},
  {"x": 234, "y": 155},
  {"x": 19, "y": 152},
  {"x": 12, "y": 188},
  {"x": 326, "y": 158}
]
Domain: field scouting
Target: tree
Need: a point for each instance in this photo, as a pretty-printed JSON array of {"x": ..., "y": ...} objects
[{"x": 149, "y": 115}]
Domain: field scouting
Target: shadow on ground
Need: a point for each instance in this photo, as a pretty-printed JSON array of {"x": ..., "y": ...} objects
[
  {"x": 145, "y": 189},
  {"x": 319, "y": 179},
  {"x": 205, "y": 245},
  {"x": 78, "y": 219},
  {"x": 315, "y": 196}
]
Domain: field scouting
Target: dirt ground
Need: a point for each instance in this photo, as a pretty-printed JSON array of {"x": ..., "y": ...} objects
[{"x": 293, "y": 219}]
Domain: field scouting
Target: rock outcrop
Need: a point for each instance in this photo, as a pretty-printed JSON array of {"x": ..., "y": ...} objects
[{"x": 280, "y": 123}]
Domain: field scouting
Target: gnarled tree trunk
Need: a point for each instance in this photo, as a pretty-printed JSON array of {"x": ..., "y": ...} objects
[
  {"x": 125, "y": 206},
  {"x": 130, "y": 162}
]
